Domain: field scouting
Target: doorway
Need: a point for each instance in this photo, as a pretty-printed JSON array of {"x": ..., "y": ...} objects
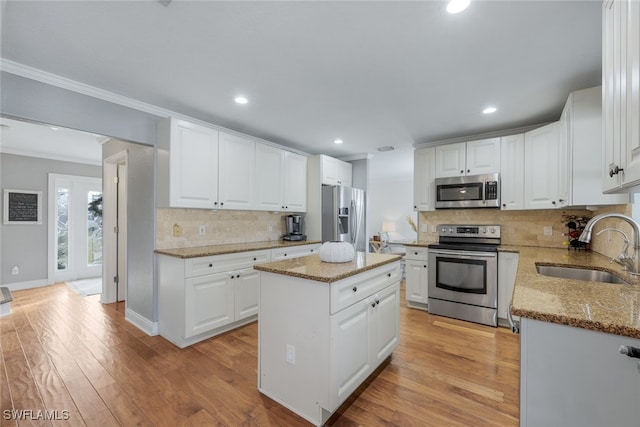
[
  {"x": 115, "y": 225},
  {"x": 75, "y": 227}
]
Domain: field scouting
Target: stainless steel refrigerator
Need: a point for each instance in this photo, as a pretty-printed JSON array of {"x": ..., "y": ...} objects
[{"x": 343, "y": 215}]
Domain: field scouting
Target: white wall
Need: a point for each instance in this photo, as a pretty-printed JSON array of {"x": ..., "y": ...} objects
[{"x": 391, "y": 193}]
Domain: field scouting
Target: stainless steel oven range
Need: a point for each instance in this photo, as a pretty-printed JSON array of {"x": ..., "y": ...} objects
[{"x": 463, "y": 273}]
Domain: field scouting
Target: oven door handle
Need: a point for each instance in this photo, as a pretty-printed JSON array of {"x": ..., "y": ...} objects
[{"x": 464, "y": 255}]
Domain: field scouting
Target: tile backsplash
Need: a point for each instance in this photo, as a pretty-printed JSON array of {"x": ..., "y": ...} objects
[
  {"x": 221, "y": 227},
  {"x": 527, "y": 227}
]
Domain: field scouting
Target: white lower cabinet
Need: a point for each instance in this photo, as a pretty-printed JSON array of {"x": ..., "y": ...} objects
[
  {"x": 507, "y": 269},
  {"x": 416, "y": 277},
  {"x": 576, "y": 377},
  {"x": 319, "y": 341},
  {"x": 204, "y": 296}
]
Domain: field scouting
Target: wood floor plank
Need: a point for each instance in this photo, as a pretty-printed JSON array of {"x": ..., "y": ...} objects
[{"x": 60, "y": 350}]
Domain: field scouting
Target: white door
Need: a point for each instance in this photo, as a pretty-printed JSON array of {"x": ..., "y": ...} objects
[
  {"x": 541, "y": 167},
  {"x": 246, "y": 284},
  {"x": 450, "y": 160},
  {"x": 236, "y": 184},
  {"x": 295, "y": 182},
  {"x": 75, "y": 227},
  {"x": 269, "y": 178},
  {"x": 483, "y": 156},
  {"x": 208, "y": 303}
]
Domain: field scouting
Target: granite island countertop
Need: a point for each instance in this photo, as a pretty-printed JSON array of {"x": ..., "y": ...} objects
[
  {"x": 199, "y": 251},
  {"x": 313, "y": 268},
  {"x": 598, "y": 306}
]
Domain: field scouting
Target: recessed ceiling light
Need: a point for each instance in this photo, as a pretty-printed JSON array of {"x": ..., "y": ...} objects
[
  {"x": 457, "y": 6},
  {"x": 241, "y": 100},
  {"x": 337, "y": 141},
  {"x": 489, "y": 110},
  {"x": 54, "y": 128}
]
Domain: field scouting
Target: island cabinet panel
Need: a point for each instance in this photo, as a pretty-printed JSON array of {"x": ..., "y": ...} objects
[
  {"x": 316, "y": 346},
  {"x": 576, "y": 377}
]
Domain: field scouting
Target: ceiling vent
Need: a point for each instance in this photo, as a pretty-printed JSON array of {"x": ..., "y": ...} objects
[{"x": 386, "y": 148}]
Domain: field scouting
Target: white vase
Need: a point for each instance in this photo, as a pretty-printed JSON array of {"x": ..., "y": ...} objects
[{"x": 337, "y": 252}]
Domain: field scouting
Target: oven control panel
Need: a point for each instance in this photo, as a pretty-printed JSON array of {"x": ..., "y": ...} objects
[{"x": 472, "y": 231}]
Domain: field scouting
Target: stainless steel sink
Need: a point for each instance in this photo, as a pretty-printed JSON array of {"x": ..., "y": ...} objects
[{"x": 577, "y": 273}]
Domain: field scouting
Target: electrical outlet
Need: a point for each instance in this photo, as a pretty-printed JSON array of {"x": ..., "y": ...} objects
[
  {"x": 291, "y": 354},
  {"x": 177, "y": 230},
  {"x": 434, "y": 228},
  {"x": 270, "y": 228},
  {"x": 202, "y": 230},
  {"x": 548, "y": 230},
  {"x": 15, "y": 270}
]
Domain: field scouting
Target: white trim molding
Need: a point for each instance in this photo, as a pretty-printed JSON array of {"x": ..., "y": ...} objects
[
  {"x": 141, "y": 322},
  {"x": 20, "y": 286}
]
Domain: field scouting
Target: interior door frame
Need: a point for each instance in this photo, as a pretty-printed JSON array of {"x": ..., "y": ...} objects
[
  {"x": 110, "y": 221},
  {"x": 52, "y": 219}
]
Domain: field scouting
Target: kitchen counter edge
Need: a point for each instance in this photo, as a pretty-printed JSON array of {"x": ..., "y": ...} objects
[{"x": 210, "y": 250}]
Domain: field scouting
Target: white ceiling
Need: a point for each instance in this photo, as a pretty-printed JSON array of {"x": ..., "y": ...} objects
[{"x": 371, "y": 73}]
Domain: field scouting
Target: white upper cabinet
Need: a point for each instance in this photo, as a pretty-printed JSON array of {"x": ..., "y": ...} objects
[
  {"x": 512, "y": 172},
  {"x": 579, "y": 179},
  {"x": 468, "y": 158},
  {"x": 187, "y": 165},
  {"x": 269, "y": 178},
  {"x": 424, "y": 165},
  {"x": 281, "y": 180},
  {"x": 541, "y": 170},
  {"x": 335, "y": 172},
  {"x": 621, "y": 94},
  {"x": 236, "y": 172},
  {"x": 483, "y": 156},
  {"x": 295, "y": 182}
]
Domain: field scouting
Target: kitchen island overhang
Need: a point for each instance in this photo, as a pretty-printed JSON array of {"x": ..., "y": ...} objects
[{"x": 324, "y": 328}]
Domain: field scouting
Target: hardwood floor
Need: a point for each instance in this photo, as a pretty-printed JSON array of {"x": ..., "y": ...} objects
[{"x": 79, "y": 362}]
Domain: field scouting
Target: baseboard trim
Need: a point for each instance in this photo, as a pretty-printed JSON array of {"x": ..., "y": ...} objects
[
  {"x": 141, "y": 322},
  {"x": 19, "y": 286}
]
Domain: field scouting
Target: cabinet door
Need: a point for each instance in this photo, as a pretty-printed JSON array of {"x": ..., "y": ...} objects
[
  {"x": 345, "y": 173},
  {"x": 576, "y": 377},
  {"x": 631, "y": 97},
  {"x": 483, "y": 156},
  {"x": 269, "y": 178},
  {"x": 193, "y": 180},
  {"x": 416, "y": 275},
  {"x": 512, "y": 172},
  {"x": 507, "y": 269},
  {"x": 237, "y": 172},
  {"x": 424, "y": 165},
  {"x": 330, "y": 170},
  {"x": 245, "y": 287},
  {"x": 208, "y": 303},
  {"x": 541, "y": 169},
  {"x": 295, "y": 182},
  {"x": 385, "y": 323},
  {"x": 564, "y": 154},
  {"x": 350, "y": 350},
  {"x": 450, "y": 160}
]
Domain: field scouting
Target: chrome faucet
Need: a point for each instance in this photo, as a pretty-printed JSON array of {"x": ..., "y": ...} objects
[
  {"x": 623, "y": 258},
  {"x": 631, "y": 262}
]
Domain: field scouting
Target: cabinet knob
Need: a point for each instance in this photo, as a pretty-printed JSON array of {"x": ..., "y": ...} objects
[
  {"x": 286, "y": 207},
  {"x": 377, "y": 302},
  {"x": 461, "y": 172},
  {"x": 561, "y": 200},
  {"x": 615, "y": 170},
  {"x": 282, "y": 207},
  {"x": 415, "y": 253},
  {"x": 388, "y": 274},
  {"x": 210, "y": 265},
  {"x": 255, "y": 259},
  {"x": 285, "y": 254},
  {"x": 630, "y": 351},
  {"x": 553, "y": 202},
  {"x": 424, "y": 266},
  {"x": 355, "y": 289},
  {"x": 504, "y": 205},
  {"x": 468, "y": 170},
  {"x": 215, "y": 203},
  {"x": 373, "y": 304},
  {"x": 311, "y": 250},
  {"x": 221, "y": 203}
]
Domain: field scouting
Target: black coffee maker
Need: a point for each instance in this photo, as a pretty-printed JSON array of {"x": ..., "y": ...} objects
[{"x": 294, "y": 228}]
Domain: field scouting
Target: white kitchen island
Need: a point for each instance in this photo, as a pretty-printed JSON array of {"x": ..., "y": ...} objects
[{"x": 324, "y": 328}]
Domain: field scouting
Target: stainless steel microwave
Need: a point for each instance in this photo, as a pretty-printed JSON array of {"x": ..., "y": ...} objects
[{"x": 472, "y": 191}]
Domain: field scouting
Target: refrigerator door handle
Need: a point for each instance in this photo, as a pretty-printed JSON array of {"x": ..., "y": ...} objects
[{"x": 354, "y": 219}]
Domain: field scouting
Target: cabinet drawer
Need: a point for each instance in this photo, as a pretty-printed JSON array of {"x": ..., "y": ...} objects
[
  {"x": 294, "y": 251},
  {"x": 220, "y": 263},
  {"x": 349, "y": 291},
  {"x": 418, "y": 254}
]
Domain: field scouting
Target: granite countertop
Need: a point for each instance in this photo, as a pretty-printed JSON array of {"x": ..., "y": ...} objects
[
  {"x": 231, "y": 248},
  {"x": 312, "y": 268},
  {"x": 597, "y": 306}
]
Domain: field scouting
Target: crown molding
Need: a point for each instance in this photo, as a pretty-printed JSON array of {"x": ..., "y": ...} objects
[
  {"x": 41, "y": 76},
  {"x": 495, "y": 134}
]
